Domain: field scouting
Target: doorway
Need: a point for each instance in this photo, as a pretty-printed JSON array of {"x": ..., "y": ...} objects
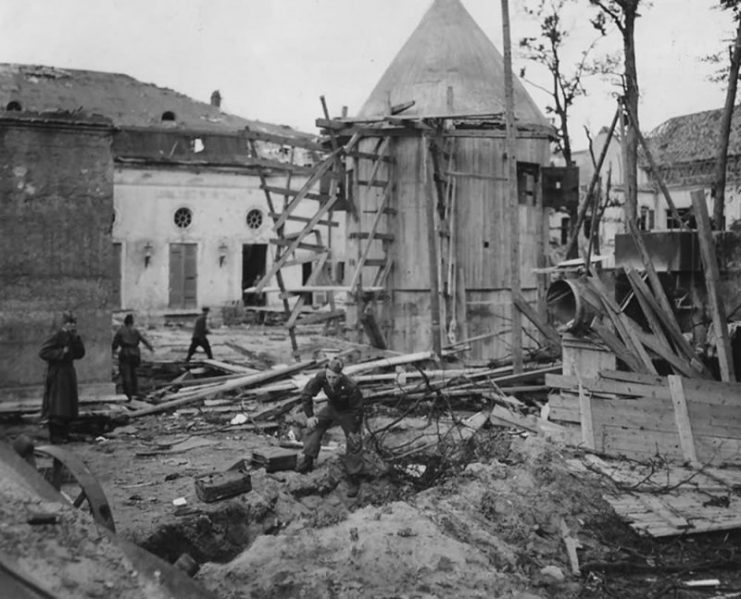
[
  {"x": 254, "y": 257},
  {"x": 183, "y": 275}
]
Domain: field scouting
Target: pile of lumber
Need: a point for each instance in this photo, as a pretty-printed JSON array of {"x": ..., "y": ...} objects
[
  {"x": 636, "y": 412},
  {"x": 265, "y": 395}
]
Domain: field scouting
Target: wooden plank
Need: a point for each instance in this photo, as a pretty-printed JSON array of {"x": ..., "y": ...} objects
[
  {"x": 709, "y": 422},
  {"x": 650, "y": 309},
  {"x": 656, "y": 506},
  {"x": 666, "y": 312},
  {"x": 278, "y": 264},
  {"x": 546, "y": 329},
  {"x": 278, "y": 275},
  {"x": 617, "y": 347},
  {"x": 526, "y": 375},
  {"x": 661, "y": 349},
  {"x": 712, "y": 280},
  {"x": 639, "y": 443},
  {"x": 608, "y": 386},
  {"x": 370, "y": 183},
  {"x": 228, "y": 367},
  {"x": 632, "y": 377},
  {"x": 304, "y": 259},
  {"x": 320, "y": 317},
  {"x": 372, "y": 235},
  {"x": 474, "y": 176},
  {"x": 682, "y": 416},
  {"x": 246, "y": 381},
  {"x": 585, "y": 419},
  {"x": 277, "y": 165},
  {"x": 312, "y": 280},
  {"x": 286, "y": 191},
  {"x": 619, "y": 321},
  {"x": 291, "y": 243},
  {"x": 303, "y": 219},
  {"x": 322, "y": 168}
]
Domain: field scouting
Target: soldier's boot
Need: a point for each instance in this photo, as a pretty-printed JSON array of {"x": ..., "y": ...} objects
[
  {"x": 353, "y": 485},
  {"x": 305, "y": 464}
]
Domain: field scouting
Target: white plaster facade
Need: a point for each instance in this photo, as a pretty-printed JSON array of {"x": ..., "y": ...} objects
[{"x": 145, "y": 202}]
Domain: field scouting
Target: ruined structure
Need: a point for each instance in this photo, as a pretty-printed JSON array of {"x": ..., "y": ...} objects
[
  {"x": 56, "y": 201},
  {"x": 190, "y": 220},
  {"x": 440, "y": 107}
]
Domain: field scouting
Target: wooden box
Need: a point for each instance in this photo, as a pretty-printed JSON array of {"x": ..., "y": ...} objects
[
  {"x": 274, "y": 459},
  {"x": 222, "y": 485}
]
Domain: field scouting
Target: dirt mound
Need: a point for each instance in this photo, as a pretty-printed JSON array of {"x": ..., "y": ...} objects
[
  {"x": 493, "y": 531},
  {"x": 388, "y": 551}
]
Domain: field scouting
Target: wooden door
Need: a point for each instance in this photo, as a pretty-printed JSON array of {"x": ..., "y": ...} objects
[{"x": 183, "y": 275}]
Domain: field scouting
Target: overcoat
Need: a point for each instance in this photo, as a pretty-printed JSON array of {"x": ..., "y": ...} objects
[{"x": 60, "y": 389}]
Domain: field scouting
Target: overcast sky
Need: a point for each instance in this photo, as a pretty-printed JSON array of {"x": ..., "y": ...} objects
[{"x": 272, "y": 59}]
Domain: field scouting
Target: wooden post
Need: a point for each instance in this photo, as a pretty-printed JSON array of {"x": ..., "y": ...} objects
[
  {"x": 712, "y": 278},
  {"x": 429, "y": 200},
  {"x": 719, "y": 177},
  {"x": 682, "y": 419},
  {"x": 624, "y": 172},
  {"x": 657, "y": 175},
  {"x": 514, "y": 204}
]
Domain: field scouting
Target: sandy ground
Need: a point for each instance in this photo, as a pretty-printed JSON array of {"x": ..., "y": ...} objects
[{"x": 494, "y": 528}]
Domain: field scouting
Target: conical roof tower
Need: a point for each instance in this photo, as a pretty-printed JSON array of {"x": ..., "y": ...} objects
[{"x": 448, "y": 49}]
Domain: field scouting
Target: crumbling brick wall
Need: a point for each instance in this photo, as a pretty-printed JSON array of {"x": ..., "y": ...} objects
[{"x": 56, "y": 210}]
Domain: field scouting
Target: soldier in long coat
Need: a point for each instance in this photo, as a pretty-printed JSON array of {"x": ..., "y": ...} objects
[{"x": 60, "y": 406}]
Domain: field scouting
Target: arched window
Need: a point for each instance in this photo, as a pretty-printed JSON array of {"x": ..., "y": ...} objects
[
  {"x": 14, "y": 105},
  {"x": 168, "y": 115}
]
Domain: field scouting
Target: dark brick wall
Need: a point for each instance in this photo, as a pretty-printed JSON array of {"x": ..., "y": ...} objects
[{"x": 56, "y": 207}]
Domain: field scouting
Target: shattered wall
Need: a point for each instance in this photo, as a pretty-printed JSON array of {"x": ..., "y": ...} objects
[{"x": 56, "y": 206}]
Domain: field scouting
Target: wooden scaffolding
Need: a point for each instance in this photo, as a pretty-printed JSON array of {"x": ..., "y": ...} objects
[{"x": 332, "y": 185}]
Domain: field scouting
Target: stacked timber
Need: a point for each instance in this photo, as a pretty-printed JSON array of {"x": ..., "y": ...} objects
[{"x": 400, "y": 380}]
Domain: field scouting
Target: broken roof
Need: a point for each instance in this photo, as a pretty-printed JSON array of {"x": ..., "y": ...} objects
[
  {"x": 129, "y": 103},
  {"x": 448, "y": 50},
  {"x": 693, "y": 137}
]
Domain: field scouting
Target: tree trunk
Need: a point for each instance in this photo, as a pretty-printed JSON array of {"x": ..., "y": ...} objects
[
  {"x": 630, "y": 176},
  {"x": 719, "y": 177}
]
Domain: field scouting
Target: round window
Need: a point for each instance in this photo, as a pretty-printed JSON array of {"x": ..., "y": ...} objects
[
  {"x": 254, "y": 219},
  {"x": 183, "y": 217}
]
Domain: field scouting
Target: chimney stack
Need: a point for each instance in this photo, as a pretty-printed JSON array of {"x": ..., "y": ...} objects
[{"x": 216, "y": 99}]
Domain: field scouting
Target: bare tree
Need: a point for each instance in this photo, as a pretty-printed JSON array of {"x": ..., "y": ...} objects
[
  {"x": 623, "y": 13},
  {"x": 548, "y": 49},
  {"x": 719, "y": 177},
  {"x": 567, "y": 81}
]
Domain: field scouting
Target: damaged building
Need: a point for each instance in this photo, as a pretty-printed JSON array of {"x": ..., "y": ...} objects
[
  {"x": 56, "y": 184},
  {"x": 425, "y": 164},
  {"x": 190, "y": 224}
]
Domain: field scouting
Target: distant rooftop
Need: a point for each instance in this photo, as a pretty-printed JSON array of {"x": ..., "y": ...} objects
[
  {"x": 129, "y": 103},
  {"x": 693, "y": 137}
]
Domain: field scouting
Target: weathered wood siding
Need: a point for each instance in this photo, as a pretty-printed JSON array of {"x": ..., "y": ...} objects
[{"x": 481, "y": 236}]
